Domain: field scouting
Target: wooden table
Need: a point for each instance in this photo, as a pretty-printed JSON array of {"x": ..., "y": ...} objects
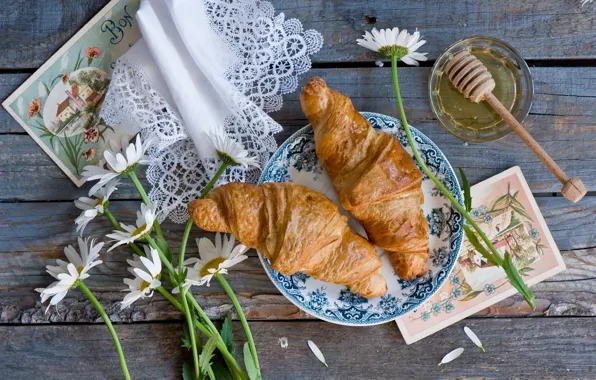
[{"x": 558, "y": 340}]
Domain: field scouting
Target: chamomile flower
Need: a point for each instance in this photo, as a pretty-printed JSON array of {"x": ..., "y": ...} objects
[
  {"x": 120, "y": 159},
  {"x": 230, "y": 151},
  {"x": 68, "y": 273},
  {"x": 392, "y": 42},
  {"x": 146, "y": 272},
  {"x": 94, "y": 206},
  {"x": 144, "y": 223},
  {"x": 215, "y": 258}
]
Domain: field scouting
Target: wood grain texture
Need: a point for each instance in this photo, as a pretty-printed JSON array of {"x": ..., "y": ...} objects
[
  {"x": 561, "y": 120},
  {"x": 553, "y": 348},
  {"x": 34, "y": 234},
  {"x": 31, "y": 31},
  {"x": 537, "y": 29}
]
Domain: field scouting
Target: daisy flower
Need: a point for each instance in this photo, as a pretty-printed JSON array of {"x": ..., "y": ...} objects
[
  {"x": 146, "y": 272},
  {"x": 120, "y": 159},
  {"x": 390, "y": 42},
  {"x": 145, "y": 219},
  {"x": 94, "y": 206},
  {"x": 215, "y": 258},
  {"x": 69, "y": 273},
  {"x": 230, "y": 151}
]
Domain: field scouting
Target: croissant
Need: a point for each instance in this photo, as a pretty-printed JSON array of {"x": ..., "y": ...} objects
[
  {"x": 297, "y": 229},
  {"x": 375, "y": 178}
]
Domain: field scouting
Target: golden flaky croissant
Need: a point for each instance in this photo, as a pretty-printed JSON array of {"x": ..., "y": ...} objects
[
  {"x": 375, "y": 178},
  {"x": 297, "y": 229}
]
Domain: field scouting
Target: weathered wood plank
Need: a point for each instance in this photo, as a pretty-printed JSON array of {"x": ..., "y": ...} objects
[
  {"x": 35, "y": 227},
  {"x": 33, "y": 235},
  {"x": 562, "y": 120},
  {"x": 551, "y": 348},
  {"x": 9, "y": 83},
  {"x": 537, "y": 29},
  {"x": 33, "y": 30}
]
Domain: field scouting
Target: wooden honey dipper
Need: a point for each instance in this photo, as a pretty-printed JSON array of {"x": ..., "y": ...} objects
[{"x": 469, "y": 75}]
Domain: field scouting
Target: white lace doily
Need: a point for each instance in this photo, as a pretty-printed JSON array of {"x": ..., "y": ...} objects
[{"x": 271, "y": 53}]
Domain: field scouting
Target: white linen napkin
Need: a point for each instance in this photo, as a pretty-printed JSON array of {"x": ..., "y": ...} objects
[
  {"x": 205, "y": 66},
  {"x": 190, "y": 59}
]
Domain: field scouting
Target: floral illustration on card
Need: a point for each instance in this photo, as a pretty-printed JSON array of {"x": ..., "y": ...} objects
[
  {"x": 506, "y": 220},
  {"x": 59, "y": 105}
]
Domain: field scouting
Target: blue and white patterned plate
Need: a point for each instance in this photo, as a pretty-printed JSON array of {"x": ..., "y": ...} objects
[{"x": 296, "y": 161}]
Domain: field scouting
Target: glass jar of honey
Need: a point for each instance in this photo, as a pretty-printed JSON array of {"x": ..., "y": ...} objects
[{"x": 477, "y": 122}]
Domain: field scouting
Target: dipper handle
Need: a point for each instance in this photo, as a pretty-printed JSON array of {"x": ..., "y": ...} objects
[
  {"x": 469, "y": 75},
  {"x": 573, "y": 188}
]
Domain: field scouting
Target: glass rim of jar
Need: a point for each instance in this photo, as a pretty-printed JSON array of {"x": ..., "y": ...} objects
[{"x": 527, "y": 93}]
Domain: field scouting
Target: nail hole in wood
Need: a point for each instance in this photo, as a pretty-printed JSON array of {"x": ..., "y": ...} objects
[{"x": 370, "y": 20}]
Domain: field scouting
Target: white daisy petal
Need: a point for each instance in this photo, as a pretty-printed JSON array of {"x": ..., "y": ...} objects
[
  {"x": 231, "y": 151},
  {"x": 145, "y": 281},
  {"x": 473, "y": 337},
  {"x": 144, "y": 224},
  {"x": 452, "y": 356},
  {"x": 214, "y": 259},
  {"x": 315, "y": 350},
  {"x": 68, "y": 273},
  {"x": 394, "y": 38},
  {"x": 120, "y": 157}
]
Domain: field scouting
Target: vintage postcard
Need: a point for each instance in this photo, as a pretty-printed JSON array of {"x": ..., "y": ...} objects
[
  {"x": 505, "y": 209},
  {"x": 59, "y": 104}
]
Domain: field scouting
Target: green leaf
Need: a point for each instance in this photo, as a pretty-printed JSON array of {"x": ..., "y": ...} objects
[
  {"x": 521, "y": 212},
  {"x": 187, "y": 372},
  {"x": 163, "y": 245},
  {"x": 220, "y": 368},
  {"x": 47, "y": 88},
  {"x": 227, "y": 334},
  {"x": 207, "y": 354},
  {"x": 186, "y": 339},
  {"x": 251, "y": 369},
  {"x": 472, "y": 295},
  {"x": 526, "y": 271},
  {"x": 499, "y": 201},
  {"x": 516, "y": 281},
  {"x": 55, "y": 79},
  {"x": 467, "y": 192},
  {"x": 479, "y": 247}
]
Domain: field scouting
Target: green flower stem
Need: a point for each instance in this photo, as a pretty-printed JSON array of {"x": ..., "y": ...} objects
[
  {"x": 211, "y": 183},
  {"x": 117, "y": 226},
  {"x": 210, "y": 329},
  {"x": 183, "y": 244},
  {"x": 237, "y": 371},
  {"x": 201, "y": 313},
  {"x": 525, "y": 291},
  {"x": 240, "y": 312},
  {"x": 109, "y": 325},
  {"x": 145, "y": 198},
  {"x": 191, "y": 330},
  {"x": 167, "y": 295}
]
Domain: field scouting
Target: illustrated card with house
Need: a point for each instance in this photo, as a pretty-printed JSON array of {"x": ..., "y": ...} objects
[
  {"x": 59, "y": 104},
  {"x": 504, "y": 208}
]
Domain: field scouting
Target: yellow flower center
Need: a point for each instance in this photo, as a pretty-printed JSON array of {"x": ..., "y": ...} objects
[
  {"x": 144, "y": 285},
  {"x": 80, "y": 269},
  {"x": 211, "y": 264},
  {"x": 99, "y": 202},
  {"x": 139, "y": 230}
]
